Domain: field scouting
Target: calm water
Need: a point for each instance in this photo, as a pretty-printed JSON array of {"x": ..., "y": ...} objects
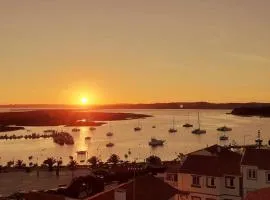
[{"x": 125, "y": 138}]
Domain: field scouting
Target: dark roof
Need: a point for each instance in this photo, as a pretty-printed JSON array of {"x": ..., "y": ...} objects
[
  {"x": 221, "y": 162},
  {"x": 257, "y": 157},
  {"x": 146, "y": 188},
  {"x": 262, "y": 194}
]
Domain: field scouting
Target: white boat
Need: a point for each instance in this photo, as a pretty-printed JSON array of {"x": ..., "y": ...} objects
[
  {"x": 155, "y": 142},
  {"x": 198, "y": 131},
  {"x": 224, "y": 129},
  {"x": 173, "y": 129}
]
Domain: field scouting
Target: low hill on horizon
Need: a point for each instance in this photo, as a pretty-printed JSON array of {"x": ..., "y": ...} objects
[{"x": 172, "y": 105}]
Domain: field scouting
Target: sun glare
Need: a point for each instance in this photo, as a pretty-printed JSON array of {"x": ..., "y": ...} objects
[{"x": 84, "y": 100}]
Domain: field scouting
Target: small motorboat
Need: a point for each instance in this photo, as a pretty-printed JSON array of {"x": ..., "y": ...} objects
[
  {"x": 76, "y": 130},
  {"x": 155, "y": 142},
  {"x": 87, "y": 138},
  {"x": 198, "y": 131},
  {"x": 109, "y": 134},
  {"x": 137, "y": 128},
  {"x": 172, "y": 130},
  {"x": 187, "y": 125},
  {"x": 92, "y": 128},
  {"x": 224, "y": 129},
  {"x": 223, "y": 138},
  {"x": 110, "y": 144}
]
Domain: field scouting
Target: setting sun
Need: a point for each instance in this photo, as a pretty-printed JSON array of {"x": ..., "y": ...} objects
[{"x": 84, "y": 100}]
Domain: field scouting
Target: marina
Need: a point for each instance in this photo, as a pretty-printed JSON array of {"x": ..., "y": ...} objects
[{"x": 244, "y": 131}]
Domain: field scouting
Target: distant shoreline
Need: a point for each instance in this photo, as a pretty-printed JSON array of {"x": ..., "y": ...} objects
[{"x": 171, "y": 105}]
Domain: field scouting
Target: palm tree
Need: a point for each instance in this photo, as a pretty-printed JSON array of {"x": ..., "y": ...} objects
[
  {"x": 93, "y": 161},
  {"x": 114, "y": 159},
  {"x": 50, "y": 162},
  {"x": 153, "y": 160}
]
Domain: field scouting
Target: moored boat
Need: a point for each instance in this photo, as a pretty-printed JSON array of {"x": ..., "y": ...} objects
[
  {"x": 110, "y": 144},
  {"x": 155, "y": 142},
  {"x": 224, "y": 129}
]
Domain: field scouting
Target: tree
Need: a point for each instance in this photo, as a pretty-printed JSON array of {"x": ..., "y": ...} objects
[
  {"x": 153, "y": 160},
  {"x": 50, "y": 162},
  {"x": 93, "y": 161},
  {"x": 72, "y": 164},
  {"x": 114, "y": 159},
  {"x": 10, "y": 163},
  {"x": 19, "y": 164}
]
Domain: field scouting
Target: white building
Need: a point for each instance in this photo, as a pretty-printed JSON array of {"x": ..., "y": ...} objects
[
  {"x": 255, "y": 167},
  {"x": 212, "y": 173}
]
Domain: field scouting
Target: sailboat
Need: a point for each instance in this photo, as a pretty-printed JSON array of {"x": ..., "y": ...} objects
[
  {"x": 199, "y": 131},
  {"x": 173, "y": 129},
  {"x": 110, "y": 133},
  {"x": 188, "y": 125},
  {"x": 139, "y": 127}
]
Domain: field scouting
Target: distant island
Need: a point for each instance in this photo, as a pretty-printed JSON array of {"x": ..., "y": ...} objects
[
  {"x": 261, "y": 111},
  {"x": 60, "y": 117},
  {"x": 171, "y": 105}
]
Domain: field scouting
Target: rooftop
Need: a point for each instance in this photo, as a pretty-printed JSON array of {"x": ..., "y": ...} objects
[
  {"x": 257, "y": 157},
  {"x": 146, "y": 188},
  {"x": 212, "y": 161}
]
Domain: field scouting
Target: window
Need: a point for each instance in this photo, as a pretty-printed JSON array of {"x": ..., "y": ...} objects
[
  {"x": 195, "y": 198},
  {"x": 196, "y": 181},
  {"x": 171, "y": 177},
  {"x": 252, "y": 174},
  {"x": 229, "y": 182},
  {"x": 267, "y": 174},
  {"x": 210, "y": 182}
]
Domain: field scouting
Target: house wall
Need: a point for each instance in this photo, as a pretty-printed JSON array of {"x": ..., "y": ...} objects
[
  {"x": 220, "y": 192},
  {"x": 251, "y": 185}
]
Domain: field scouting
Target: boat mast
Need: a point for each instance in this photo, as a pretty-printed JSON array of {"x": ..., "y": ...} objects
[{"x": 199, "y": 120}]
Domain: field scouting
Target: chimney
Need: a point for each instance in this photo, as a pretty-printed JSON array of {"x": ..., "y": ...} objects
[{"x": 120, "y": 194}]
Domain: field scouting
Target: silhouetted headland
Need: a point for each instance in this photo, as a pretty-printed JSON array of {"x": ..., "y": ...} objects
[
  {"x": 262, "y": 111},
  {"x": 63, "y": 117},
  {"x": 170, "y": 105}
]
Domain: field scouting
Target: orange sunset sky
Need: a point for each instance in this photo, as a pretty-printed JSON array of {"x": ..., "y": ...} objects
[{"x": 116, "y": 51}]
